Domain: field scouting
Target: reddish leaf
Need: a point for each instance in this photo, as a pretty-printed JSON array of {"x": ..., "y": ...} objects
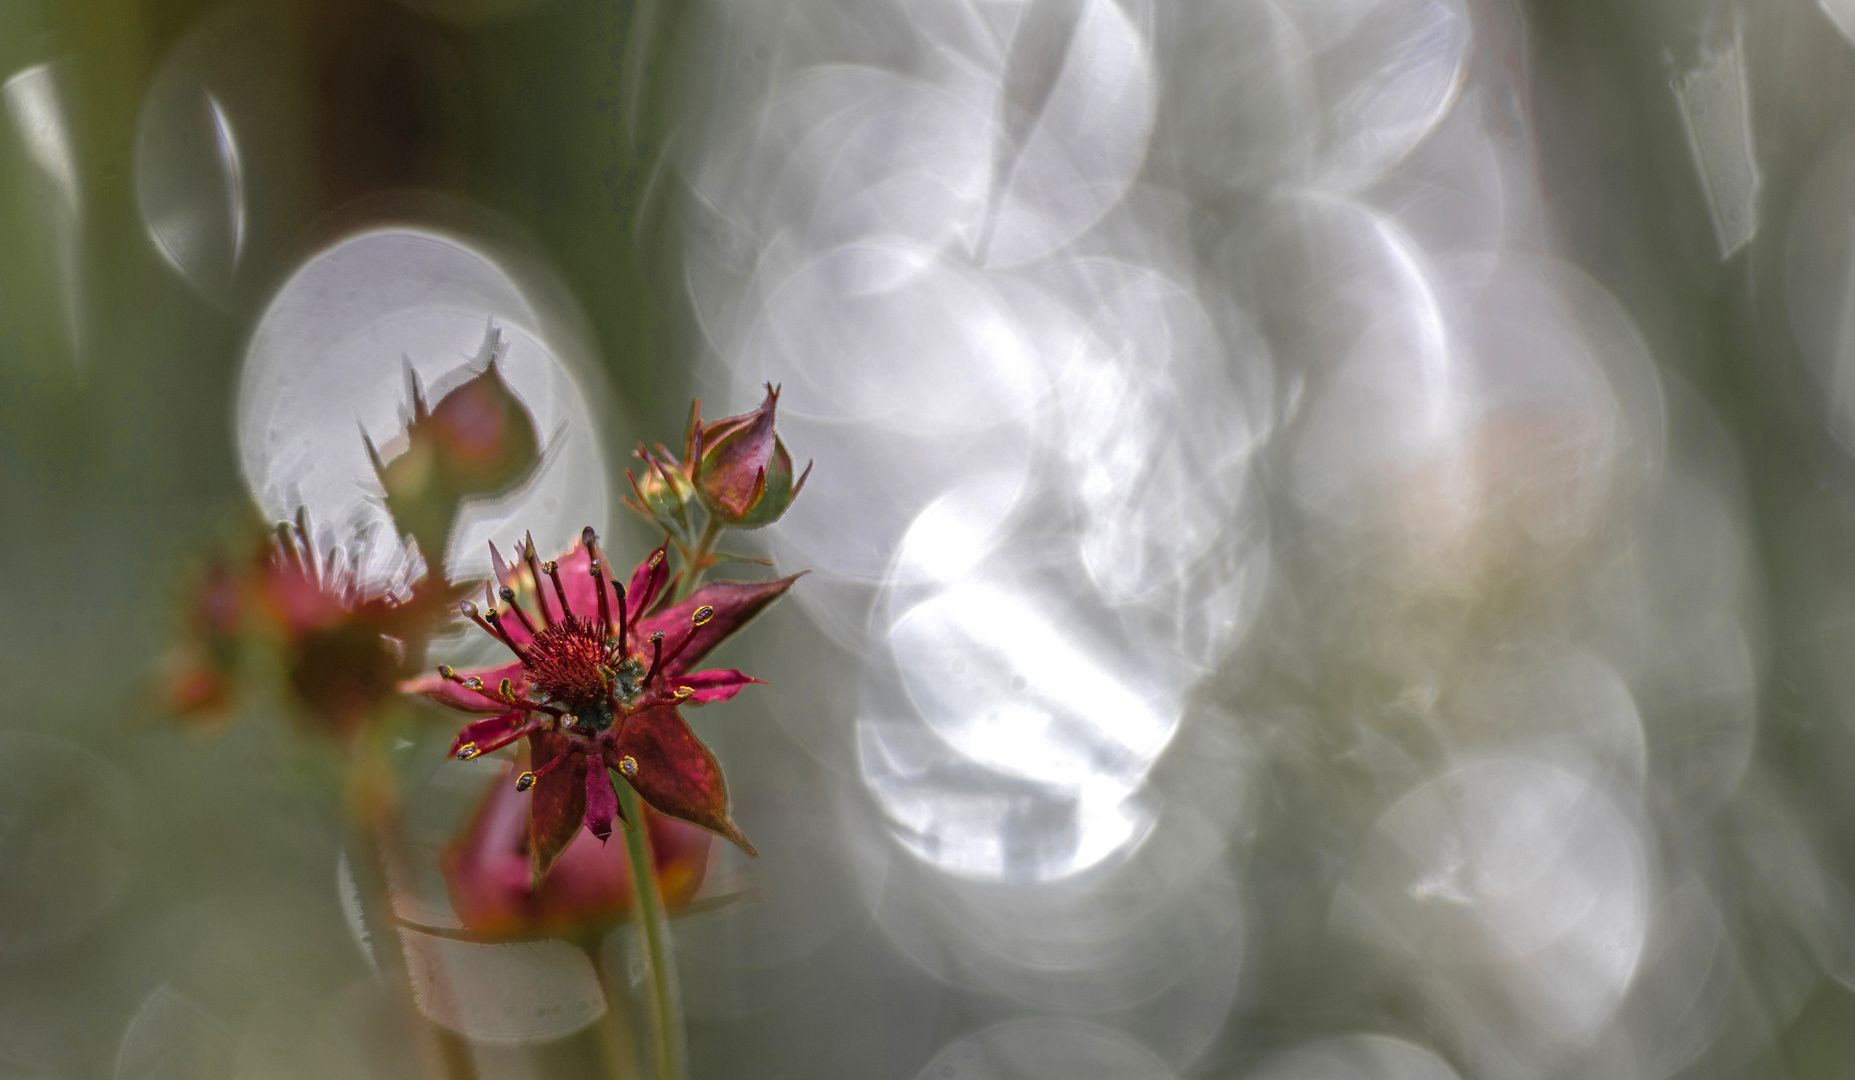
[
  {"x": 601, "y": 800},
  {"x": 719, "y": 684},
  {"x": 559, "y": 803},
  {"x": 735, "y": 602},
  {"x": 446, "y": 692},
  {"x": 673, "y": 771},
  {"x": 491, "y": 734}
]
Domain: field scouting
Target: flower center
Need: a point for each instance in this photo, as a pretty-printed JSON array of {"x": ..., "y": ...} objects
[{"x": 564, "y": 662}]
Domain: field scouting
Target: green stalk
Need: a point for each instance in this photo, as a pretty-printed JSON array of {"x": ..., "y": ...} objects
[
  {"x": 665, "y": 1004},
  {"x": 664, "y": 999},
  {"x": 692, "y": 561}
]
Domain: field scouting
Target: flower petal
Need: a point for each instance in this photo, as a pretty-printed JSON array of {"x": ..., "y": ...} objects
[
  {"x": 446, "y": 692},
  {"x": 491, "y": 734},
  {"x": 735, "y": 602},
  {"x": 559, "y": 803},
  {"x": 646, "y": 580},
  {"x": 719, "y": 684},
  {"x": 601, "y": 801},
  {"x": 674, "y": 772}
]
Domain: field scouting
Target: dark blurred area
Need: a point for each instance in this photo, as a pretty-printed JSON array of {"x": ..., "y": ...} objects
[{"x": 1332, "y": 529}]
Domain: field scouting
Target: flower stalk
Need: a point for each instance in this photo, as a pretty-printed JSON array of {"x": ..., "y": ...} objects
[
  {"x": 663, "y": 998},
  {"x": 725, "y": 480}
]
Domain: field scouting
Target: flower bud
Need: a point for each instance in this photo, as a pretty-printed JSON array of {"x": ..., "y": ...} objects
[
  {"x": 742, "y": 470},
  {"x": 664, "y": 494},
  {"x": 478, "y": 441}
]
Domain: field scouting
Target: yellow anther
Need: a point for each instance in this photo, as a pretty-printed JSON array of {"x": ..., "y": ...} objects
[
  {"x": 656, "y": 557},
  {"x": 506, "y": 688},
  {"x": 702, "y": 614},
  {"x": 628, "y": 765},
  {"x": 684, "y": 691},
  {"x": 525, "y": 781},
  {"x": 446, "y": 671},
  {"x": 606, "y": 674},
  {"x": 593, "y": 568},
  {"x": 473, "y": 683},
  {"x": 550, "y": 567},
  {"x": 466, "y": 607},
  {"x": 467, "y": 751}
]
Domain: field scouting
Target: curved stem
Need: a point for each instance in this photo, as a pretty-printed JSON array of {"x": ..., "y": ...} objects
[{"x": 665, "y": 1005}]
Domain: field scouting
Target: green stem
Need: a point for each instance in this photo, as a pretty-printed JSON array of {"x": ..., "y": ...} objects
[
  {"x": 692, "y": 560},
  {"x": 665, "y": 1004},
  {"x": 661, "y": 995}
]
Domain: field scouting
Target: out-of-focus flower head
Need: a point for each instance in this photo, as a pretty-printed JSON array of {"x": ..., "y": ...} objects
[
  {"x": 342, "y": 641},
  {"x": 490, "y": 874},
  {"x": 339, "y": 642},
  {"x": 201, "y": 670},
  {"x": 736, "y": 467},
  {"x": 477, "y": 442},
  {"x": 601, "y": 670}
]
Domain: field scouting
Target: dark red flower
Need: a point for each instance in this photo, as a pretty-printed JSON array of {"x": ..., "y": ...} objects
[
  {"x": 601, "y": 670},
  {"x": 490, "y": 874}
]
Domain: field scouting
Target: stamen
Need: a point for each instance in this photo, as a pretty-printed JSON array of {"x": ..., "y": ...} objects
[
  {"x": 309, "y": 548},
  {"x": 684, "y": 691},
  {"x": 624, "y": 618},
  {"x": 286, "y": 544},
  {"x": 495, "y": 621},
  {"x": 628, "y": 765},
  {"x": 447, "y": 672},
  {"x": 534, "y": 574},
  {"x": 477, "y": 749},
  {"x": 470, "y": 612},
  {"x": 605, "y": 606},
  {"x": 473, "y": 683},
  {"x": 506, "y": 688},
  {"x": 508, "y": 597},
  {"x": 697, "y": 618},
  {"x": 656, "y": 657},
  {"x": 553, "y": 573},
  {"x": 527, "y": 779}
]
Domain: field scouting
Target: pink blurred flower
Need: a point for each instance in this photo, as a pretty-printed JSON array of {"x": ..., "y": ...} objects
[{"x": 489, "y": 870}]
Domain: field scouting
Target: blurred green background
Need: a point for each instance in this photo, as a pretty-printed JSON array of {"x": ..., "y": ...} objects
[{"x": 134, "y": 854}]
